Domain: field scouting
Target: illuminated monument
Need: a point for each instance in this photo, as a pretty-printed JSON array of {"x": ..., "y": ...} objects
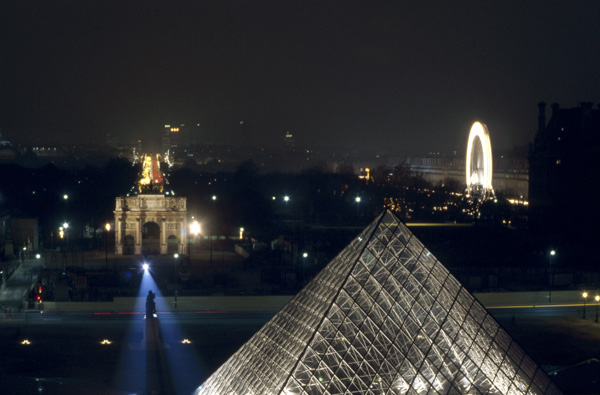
[
  {"x": 384, "y": 317},
  {"x": 152, "y": 221},
  {"x": 479, "y": 169}
]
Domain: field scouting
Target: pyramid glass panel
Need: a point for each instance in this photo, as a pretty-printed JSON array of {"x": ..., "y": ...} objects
[{"x": 383, "y": 317}]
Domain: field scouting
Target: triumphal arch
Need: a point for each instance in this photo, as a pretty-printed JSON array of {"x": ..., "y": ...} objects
[{"x": 151, "y": 221}]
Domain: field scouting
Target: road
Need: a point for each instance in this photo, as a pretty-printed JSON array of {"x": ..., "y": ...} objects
[
  {"x": 65, "y": 354},
  {"x": 14, "y": 291}
]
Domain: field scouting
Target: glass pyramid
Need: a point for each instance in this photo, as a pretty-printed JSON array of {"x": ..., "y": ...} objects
[{"x": 384, "y": 317}]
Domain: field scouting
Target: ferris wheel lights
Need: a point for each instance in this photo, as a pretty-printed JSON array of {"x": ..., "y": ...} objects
[{"x": 479, "y": 168}]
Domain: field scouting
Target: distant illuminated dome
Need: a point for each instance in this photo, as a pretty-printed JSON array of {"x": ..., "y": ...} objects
[{"x": 479, "y": 162}]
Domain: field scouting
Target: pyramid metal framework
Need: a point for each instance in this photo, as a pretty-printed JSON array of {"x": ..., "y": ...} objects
[{"x": 384, "y": 317}]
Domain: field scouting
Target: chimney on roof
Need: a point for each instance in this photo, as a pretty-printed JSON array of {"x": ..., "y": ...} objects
[
  {"x": 541, "y": 116},
  {"x": 555, "y": 107}
]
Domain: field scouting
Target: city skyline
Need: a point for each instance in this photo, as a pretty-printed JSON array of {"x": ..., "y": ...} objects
[{"x": 406, "y": 77}]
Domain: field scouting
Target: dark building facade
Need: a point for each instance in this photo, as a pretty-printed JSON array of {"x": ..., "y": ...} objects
[{"x": 564, "y": 165}]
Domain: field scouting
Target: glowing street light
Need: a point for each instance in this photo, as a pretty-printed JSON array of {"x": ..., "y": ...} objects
[
  {"x": 145, "y": 266},
  {"x": 286, "y": 198},
  {"x": 304, "y": 256},
  {"x": 66, "y": 228},
  {"x": 550, "y": 275},
  {"x": 107, "y": 227},
  {"x": 585, "y": 295},
  {"x": 597, "y": 300},
  {"x": 357, "y": 200},
  {"x": 65, "y": 196},
  {"x": 194, "y": 229},
  {"x": 214, "y": 197},
  {"x": 241, "y": 233}
]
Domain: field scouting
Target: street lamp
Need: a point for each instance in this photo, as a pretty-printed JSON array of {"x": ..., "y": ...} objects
[
  {"x": 195, "y": 229},
  {"x": 286, "y": 199},
  {"x": 304, "y": 256},
  {"x": 241, "y": 233},
  {"x": 550, "y": 275},
  {"x": 66, "y": 228},
  {"x": 107, "y": 227},
  {"x": 597, "y": 300},
  {"x": 357, "y": 200},
  {"x": 585, "y": 295}
]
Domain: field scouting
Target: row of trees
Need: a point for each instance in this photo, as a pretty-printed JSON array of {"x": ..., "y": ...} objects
[{"x": 226, "y": 201}]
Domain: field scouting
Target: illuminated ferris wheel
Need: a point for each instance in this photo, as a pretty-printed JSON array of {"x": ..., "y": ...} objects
[{"x": 479, "y": 162}]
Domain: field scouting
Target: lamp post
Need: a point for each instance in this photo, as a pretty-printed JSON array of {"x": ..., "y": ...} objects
[
  {"x": 357, "y": 200},
  {"x": 597, "y": 300},
  {"x": 585, "y": 295},
  {"x": 210, "y": 246},
  {"x": 550, "y": 275},
  {"x": 66, "y": 228},
  {"x": 304, "y": 256},
  {"x": 195, "y": 229},
  {"x": 107, "y": 227}
]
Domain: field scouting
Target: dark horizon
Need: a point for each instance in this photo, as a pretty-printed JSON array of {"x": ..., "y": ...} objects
[{"x": 344, "y": 74}]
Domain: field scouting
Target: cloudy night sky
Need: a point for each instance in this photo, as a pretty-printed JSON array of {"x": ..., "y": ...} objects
[{"x": 399, "y": 75}]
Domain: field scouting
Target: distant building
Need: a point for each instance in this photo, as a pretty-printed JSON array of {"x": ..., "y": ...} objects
[
  {"x": 8, "y": 153},
  {"x": 289, "y": 139},
  {"x": 563, "y": 174},
  {"x": 511, "y": 177},
  {"x": 6, "y": 247},
  {"x": 25, "y": 233},
  {"x": 172, "y": 142}
]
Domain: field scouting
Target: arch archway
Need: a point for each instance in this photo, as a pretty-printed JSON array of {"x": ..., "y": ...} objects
[
  {"x": 150, "y": 238},
  {"x": 150, "y": 219},
  {"x": 128, "y": 245}
]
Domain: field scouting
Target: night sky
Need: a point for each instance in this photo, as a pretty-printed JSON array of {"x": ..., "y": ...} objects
[{"x": 399, "y": 75}]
